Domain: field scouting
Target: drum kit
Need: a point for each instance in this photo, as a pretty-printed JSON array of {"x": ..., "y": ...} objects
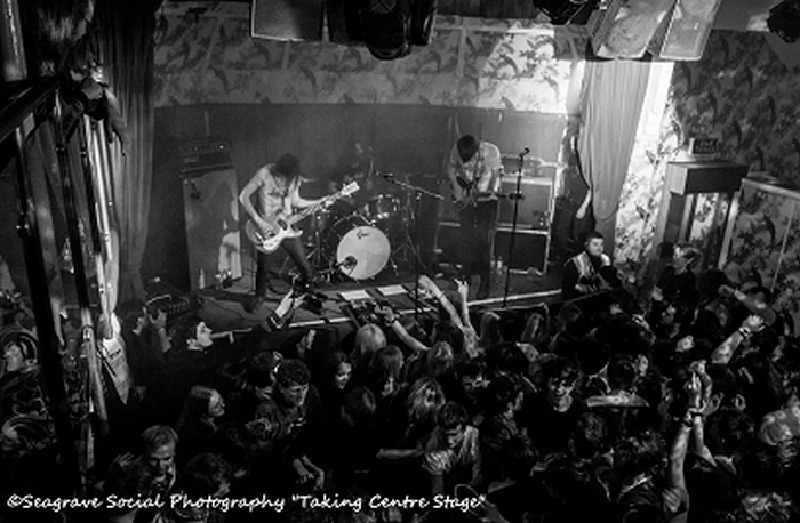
[{"x": 360, "y": 242}]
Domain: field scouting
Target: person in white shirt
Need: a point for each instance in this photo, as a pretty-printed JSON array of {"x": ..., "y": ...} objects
[{"x": 474, "y": 171}]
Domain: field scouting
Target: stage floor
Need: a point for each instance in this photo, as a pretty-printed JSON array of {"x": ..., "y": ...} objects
[{"x": 224, "y": 309}]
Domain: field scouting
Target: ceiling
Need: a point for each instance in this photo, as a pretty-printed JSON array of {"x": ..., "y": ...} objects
[{"x": 733, "y": 15}]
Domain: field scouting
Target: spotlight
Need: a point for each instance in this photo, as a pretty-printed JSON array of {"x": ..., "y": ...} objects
[
  {"x": 566, "y": 11},
  {"x": 784, "y": 20}
]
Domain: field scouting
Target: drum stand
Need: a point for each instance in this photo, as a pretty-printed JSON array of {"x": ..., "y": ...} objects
[
  {"x": 409, "y": 244},
  {"x": 407, "y": 247}
]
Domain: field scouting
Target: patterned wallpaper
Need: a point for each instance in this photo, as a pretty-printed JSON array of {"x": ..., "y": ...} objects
[
  {"x": 208, "y": 57},
  {"x": 740, "y": 92}
]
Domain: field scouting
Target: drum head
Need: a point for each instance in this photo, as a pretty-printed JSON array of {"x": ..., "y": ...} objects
[{"x": 363, "y": 252}]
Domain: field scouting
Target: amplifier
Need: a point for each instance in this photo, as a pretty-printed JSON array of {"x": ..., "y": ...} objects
[
  {"x": 530, "y": 248},
  {"x": 534, "y": 207},
  {"x": 200, "y": 156}
]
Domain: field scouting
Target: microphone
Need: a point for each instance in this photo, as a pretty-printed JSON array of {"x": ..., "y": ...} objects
[{"x": 525, "y": 152}]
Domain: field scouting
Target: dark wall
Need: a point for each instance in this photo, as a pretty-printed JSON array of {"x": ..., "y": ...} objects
[{"x": 413, "y": 139}]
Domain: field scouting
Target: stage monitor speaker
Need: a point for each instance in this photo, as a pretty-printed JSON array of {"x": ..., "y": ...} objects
[
  {"x": 530, "y": 248},
  {"x": 534, "y": 208},
  {"x": 211, "y": 207},
  {"x": 299, "y": 20}
]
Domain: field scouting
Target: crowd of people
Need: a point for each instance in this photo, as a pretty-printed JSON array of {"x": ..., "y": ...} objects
[{"x": 670, "y": 402}]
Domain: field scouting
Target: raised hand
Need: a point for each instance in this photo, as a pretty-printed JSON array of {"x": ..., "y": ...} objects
[
  {"x": 462, "y": 287},
  {"x": 753, "y": 323}
]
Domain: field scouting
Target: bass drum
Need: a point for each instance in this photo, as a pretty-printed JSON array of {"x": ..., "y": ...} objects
[{"x": 362, "y": 250}]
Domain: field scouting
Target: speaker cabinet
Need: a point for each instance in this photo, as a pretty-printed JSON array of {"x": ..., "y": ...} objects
[
  {"x": 534, "y": 208},
  {"x": 530, "y": 248},
  {"x": 211, "y": 208}
]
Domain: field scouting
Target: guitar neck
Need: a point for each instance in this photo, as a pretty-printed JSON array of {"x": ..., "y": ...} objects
[{"x": 308, "y": 211}]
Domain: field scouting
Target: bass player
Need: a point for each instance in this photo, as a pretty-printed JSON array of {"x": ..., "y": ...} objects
[
  {"x": 474, "y": 174},
  {"x": 278, "y": 188}
]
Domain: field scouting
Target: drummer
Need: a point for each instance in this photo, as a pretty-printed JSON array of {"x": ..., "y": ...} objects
[{"x": 356, "y": 164}]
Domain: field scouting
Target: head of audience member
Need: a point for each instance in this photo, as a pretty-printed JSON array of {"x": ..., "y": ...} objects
[
  {"x": 639, "y": 454},
  {"x": 470, "y": 376},
  {"x": 467, "y": 146},
  {"x": 337, "y": 371},
  {"x": 572, "y": 321},
  {"x": 559, "y": 376},
  {"x": 206, "y": 475},
  {"x": 729, "y": 432},
  {"x": 489, "y": 330},
  {"x": 707, "y": 326},
  {"x": 359, "y": 408},
  {"x": 592, "y": 357},
  {"x": 369, "y": 339},
  {"x": 594, "y": 244},
  {"x": 202, "y": 405},
  {"x": 452, "y": 423},
  {"x": 727, "y": 393},
  {"x": 385, "y": 370},
  {"x": 623, "y": 373},
  {"x": 439, "y": 360},
  {"x": 293, "y": 378},
  {"x": 536, "y": 329},
  {"x": 503, "y": 397},
  {"x": 425, "y": 398},
  {"x": 448, "y": 332},
  {"x": 261, "y": 373},
  {"x": 127, "y": 477},
  {"x": 506, "y": 359},
  {"x": 191, "y": 333},
  {"x": 590, "y": 437},
  {"x": 159, "y": 444},
  {"x": 685, "y": 257}
]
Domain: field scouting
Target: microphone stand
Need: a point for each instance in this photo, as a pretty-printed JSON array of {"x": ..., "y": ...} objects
[
  {"x": 517, "y": 196},
  {"x": 418, "y": 192}
]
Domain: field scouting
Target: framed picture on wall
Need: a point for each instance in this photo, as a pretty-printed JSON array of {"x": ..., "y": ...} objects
[{"x": 297, "y": 20}]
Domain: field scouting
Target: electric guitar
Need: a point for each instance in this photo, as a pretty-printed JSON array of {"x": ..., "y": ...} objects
[
  {"x": 281, "y": 227},
  {"x": 470, "y": 193}
]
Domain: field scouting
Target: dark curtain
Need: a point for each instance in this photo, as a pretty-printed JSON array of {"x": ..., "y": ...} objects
[{"x": 125, "y": 41}]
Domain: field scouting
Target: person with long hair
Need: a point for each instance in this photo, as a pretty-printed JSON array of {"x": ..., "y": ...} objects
[
  {"x": 197, "y": 424},
  {"x": 278, "y": 188}
]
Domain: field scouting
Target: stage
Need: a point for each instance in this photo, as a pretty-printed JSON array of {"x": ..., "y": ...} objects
[{"x": 224, "y": 309}]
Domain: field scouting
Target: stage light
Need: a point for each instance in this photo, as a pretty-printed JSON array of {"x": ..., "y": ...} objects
[
  {"x": 784, "y": 20},
  {"x": 566, "y": 11}
]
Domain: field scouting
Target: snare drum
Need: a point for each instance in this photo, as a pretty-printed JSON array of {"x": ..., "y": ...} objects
[
  {"x": 381, "y": 207},
  {"x": 362, "y": 250}
]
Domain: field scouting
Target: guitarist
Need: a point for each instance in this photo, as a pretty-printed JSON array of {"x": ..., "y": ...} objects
[
  {"x": 473, "y": 169},
  {"x": 278, "y": 189}
]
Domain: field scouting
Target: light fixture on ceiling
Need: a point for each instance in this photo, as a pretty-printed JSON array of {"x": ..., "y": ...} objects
[
  {"x": 784, "y": 20},
  {"x": 562, "y": 12}
]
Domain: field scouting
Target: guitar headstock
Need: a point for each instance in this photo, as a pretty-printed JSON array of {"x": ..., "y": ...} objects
[{"x": 350, "y": 188}]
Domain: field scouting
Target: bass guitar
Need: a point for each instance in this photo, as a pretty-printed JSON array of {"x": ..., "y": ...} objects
[{"x": 281, "y": 227}]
